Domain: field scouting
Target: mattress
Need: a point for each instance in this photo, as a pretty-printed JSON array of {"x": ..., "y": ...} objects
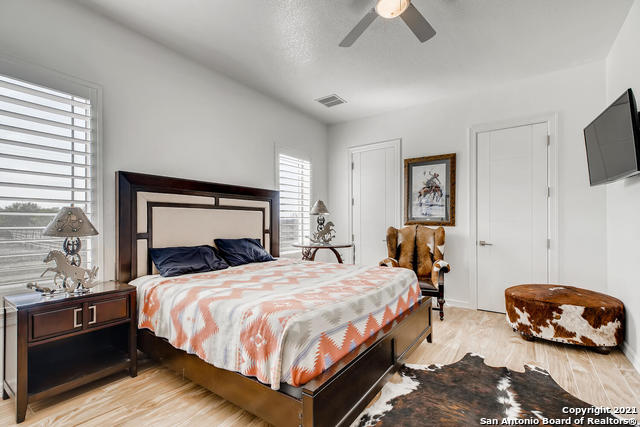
[{"x": 279, "y": 321}]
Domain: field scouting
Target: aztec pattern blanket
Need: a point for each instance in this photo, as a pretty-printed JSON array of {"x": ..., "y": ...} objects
[{"x": 279, "y": 321}]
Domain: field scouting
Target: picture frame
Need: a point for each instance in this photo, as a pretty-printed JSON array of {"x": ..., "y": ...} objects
[{"x": 430, "y": 190}]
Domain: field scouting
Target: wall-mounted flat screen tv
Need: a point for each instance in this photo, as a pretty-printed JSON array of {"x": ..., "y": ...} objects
[{"x": 613, "y": 142}]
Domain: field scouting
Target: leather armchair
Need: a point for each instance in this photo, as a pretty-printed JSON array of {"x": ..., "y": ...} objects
[{"x": 420, "y": 249}]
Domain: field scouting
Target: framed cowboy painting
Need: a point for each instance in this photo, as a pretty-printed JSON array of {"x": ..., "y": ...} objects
[{"x": 430, "y": 190}]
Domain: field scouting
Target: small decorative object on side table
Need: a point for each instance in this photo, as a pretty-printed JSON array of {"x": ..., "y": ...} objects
[
  {"x": 309, "y": 250},
  {"x": 324, "y": 232},
  {"x": 56, "y": 343}
]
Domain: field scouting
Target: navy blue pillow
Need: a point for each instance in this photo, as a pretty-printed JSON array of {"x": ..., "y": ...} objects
[
  {"x": 242, "y": 251},
  {"x": 186, "y": 259}
]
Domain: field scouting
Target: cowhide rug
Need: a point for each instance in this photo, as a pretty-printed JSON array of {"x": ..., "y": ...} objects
[{"x": 469, "y": 393}]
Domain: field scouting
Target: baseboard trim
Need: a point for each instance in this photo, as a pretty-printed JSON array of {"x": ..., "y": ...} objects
[
  {"x": 456, "y": 303},
  {"x": 631, "y": 354}
]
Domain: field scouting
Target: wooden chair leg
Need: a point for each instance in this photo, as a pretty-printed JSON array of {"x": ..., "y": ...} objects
[{"x": 441, "y": 295}]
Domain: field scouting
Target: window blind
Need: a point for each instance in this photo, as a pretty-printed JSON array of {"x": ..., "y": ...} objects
[
  {"x": 47, "y": 160},
  {"x": 295, "y": 201}
]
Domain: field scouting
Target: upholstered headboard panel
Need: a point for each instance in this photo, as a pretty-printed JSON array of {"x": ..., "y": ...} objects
[{"x": 156, "y": 212}]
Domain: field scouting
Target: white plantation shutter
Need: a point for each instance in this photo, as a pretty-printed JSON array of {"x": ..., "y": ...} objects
[
  {"x": 295, "y": 201},
  {"x": 47, "y": 160}
]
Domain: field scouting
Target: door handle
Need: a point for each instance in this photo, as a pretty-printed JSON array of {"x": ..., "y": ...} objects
[
  {"x": 483, "y": 243},
  {"x": 76, "y": 323},
  {"x": 93, "y": 315}
]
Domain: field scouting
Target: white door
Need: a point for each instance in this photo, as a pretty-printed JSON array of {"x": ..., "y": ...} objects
[
  {"x": 375, "y": 190},
  {"x": 512, "y": 211}
]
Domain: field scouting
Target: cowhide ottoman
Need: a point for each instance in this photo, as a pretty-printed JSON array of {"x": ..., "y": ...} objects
[{"x": 565, "y": 314}]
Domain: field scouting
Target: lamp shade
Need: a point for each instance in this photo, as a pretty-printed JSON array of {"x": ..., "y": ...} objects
[
  {"x": 319, "y": 208},
  {"x": 70, "y": 222}
]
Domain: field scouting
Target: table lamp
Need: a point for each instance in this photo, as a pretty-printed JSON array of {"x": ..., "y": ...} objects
[
  {"x": 72, "y": 224},
  {"x": 324, "y": 232}
]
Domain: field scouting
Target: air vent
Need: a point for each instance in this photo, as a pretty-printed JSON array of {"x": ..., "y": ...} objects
[{"x": 331, "y": 100}]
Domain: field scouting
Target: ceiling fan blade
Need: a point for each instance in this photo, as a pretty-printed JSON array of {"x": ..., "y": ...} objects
[
  {"x": 417, "y": 23},
  {"x": 359, "y": 28}
]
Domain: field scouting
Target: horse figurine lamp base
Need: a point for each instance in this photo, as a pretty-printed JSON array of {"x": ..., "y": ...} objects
[{"x": 68, "y": 276}]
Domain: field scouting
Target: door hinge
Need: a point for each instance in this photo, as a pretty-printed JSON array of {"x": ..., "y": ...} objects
[
  {"x": 548, "y": 192},
  {"x": 548, "y": 139},
  {"x": 548, "y": 243},
  {"x": 353, "y": 166},
  {"x": 353, "y": 201},
  {"x": 353, "y": 238}
]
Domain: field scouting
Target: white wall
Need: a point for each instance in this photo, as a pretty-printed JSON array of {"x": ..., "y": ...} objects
[
  {"x": 443, "y": 127},
  {"x": 623, "y": 197},
  {"x": 162, "y": 114}
]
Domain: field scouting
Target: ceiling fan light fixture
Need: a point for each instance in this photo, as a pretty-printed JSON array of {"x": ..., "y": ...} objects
[{"x": 391, "y": 8}]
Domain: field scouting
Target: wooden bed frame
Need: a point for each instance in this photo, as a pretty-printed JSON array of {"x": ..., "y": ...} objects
[{"x": 338, "y": 395}]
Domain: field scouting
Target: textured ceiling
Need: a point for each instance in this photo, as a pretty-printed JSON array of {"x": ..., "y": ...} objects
[{"x": 288, "y": 49}]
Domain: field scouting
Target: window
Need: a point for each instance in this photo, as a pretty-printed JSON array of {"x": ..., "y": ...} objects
[
  {"x": 295, "y": 201},
  {"x": 47, "y": 160}
]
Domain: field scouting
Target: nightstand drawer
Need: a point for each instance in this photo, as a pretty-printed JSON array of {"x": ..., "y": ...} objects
[
  {"x": 107, "y": 311},
  {"x": 56, "y": 322}
]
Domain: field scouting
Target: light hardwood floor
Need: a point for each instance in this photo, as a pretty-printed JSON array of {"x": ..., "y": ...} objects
[{"x": 159, "y": 397}]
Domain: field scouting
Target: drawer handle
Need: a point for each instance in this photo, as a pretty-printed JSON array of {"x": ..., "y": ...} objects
[
  {"x": 76, "y": 324},
  {"x": 93, "y": 314}
]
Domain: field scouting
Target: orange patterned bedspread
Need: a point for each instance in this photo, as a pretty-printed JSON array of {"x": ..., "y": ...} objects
[{"x": 280, "y": 321}]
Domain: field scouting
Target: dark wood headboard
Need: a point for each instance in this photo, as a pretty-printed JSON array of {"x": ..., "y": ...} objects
[{"x": 175, "y": 193}]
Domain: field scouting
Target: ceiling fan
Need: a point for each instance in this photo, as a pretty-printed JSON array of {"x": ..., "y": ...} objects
[{"x": 390, "y": 9}]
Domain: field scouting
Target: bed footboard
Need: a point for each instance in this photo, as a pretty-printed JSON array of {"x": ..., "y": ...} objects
[{"x": 335, "y": 398}]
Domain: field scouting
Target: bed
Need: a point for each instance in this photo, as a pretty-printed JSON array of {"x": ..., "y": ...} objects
[{"x": 323, "y": 338}]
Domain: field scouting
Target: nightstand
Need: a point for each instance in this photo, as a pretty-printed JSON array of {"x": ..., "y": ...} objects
[{"x": 54, "y": 344}]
